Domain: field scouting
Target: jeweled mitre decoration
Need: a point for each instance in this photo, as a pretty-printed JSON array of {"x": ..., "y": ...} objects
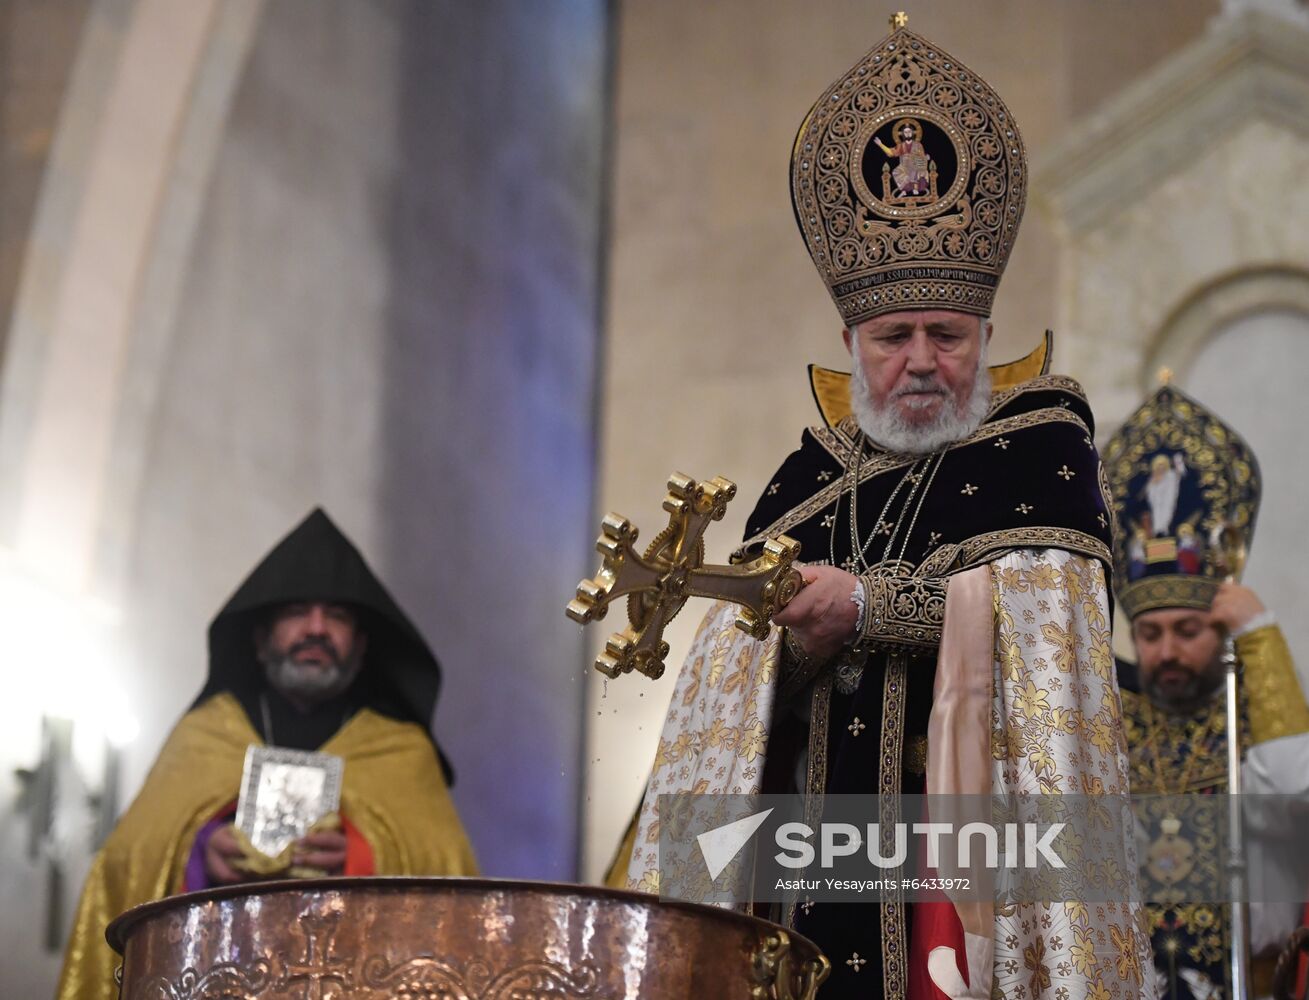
[
  {"x": 908, "y": 179},
  {"x": 1176, "y": 472}
]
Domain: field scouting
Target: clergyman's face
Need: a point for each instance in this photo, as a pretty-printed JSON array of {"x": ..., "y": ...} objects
[
  {"x": 1178, "y": 650},
  {"x": 919, "y": 361},
  {"x": 311, "y": 650}
]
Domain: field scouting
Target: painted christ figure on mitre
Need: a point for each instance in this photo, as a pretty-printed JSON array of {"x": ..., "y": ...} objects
[{"x": 911, "y": 176}]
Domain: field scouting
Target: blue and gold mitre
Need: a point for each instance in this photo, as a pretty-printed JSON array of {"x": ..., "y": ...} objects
[{"x": 1176, "y": 474}]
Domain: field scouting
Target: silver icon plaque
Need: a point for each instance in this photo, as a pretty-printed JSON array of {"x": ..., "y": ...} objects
[{"x": 283, "y": 793}]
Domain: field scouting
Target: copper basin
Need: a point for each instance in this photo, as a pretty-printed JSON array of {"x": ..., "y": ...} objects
[{"x": 452, "y": 939}]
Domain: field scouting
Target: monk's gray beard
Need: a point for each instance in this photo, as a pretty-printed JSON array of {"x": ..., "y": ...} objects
[
  {"x": 311, "y": 681},
  {"x": 886, "y": 427}
]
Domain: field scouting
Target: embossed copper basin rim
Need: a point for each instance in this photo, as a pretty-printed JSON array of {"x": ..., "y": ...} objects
[{"x": 467, "y": 938}]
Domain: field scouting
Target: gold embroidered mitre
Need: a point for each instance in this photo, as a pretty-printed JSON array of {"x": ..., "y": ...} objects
[
  {"x": 1176, "y": 472},
  {"x": 908, "y": 179}
]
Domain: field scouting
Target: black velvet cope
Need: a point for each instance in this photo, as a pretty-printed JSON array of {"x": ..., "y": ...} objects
[{"x": 1028, "y": 478}]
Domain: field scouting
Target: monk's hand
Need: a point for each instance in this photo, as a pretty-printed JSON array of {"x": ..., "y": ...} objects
[
  {"x": 221, "y": 855},
  {"x": 324, "y": 850},
  {"x": 1235, "y": 607},
  {"x": 822, "y": 617}
]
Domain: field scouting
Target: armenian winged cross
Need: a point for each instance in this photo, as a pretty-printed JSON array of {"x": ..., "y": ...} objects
[{"x": 672, "y": 569}]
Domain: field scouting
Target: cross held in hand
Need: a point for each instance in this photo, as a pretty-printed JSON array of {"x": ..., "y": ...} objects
[{"x": 658, "y": 582}]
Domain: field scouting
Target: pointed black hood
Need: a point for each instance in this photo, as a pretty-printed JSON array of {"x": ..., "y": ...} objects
[{"x": 316, "y": 562}]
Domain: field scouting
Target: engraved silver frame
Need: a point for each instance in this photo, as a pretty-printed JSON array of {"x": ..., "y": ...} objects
[{"x": 269, "y": 816}]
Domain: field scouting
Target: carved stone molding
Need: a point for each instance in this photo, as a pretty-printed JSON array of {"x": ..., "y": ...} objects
[
  {"x": 1215, "y": 305},
  {"x": 1255, "y": 67},
  {"x": 1177, "y": 208}
]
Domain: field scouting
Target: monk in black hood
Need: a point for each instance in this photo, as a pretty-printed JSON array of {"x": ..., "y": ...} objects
[
  {"x": 310, "y": 653},
  {"x": 315, "y": 564}
]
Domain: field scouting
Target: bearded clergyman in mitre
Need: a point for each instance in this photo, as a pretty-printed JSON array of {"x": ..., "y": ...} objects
[{"x": 953, "y": 633}]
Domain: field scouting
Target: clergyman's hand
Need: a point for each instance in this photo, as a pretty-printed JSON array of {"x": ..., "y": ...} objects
[
  {"x": 324, "y": 850},
  {"x": 1235, "y": 606},
  {"x": 822, "y": 617},
  {"x": 221, "y": 853}
]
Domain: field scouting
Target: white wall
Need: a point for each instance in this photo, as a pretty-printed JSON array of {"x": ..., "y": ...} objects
[
  {"x": 1252, "y": 375},
  {"x": 344, "y": 252}
]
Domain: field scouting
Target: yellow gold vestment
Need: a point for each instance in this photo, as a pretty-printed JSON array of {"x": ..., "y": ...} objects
[{"x": 393, "y": 791}]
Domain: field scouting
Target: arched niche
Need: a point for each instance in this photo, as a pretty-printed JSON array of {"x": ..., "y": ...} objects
[
  {"x": 1213, "y": 310},
  {"x": 1245, "y": 358},
  {"x": 1179, "y": 207}
]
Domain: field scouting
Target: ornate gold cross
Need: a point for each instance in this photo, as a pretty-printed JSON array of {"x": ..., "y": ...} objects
[{"x": 672, "y": 569}]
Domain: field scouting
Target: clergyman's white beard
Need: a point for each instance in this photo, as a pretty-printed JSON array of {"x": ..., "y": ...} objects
[
  {"x": 313, "y": 682},
  {"x": 886, "y": 426}
]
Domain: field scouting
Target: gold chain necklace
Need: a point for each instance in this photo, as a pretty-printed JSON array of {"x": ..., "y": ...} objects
[
  {"x": 922, "y": 498},
  {"x": 859, "y": 550}
]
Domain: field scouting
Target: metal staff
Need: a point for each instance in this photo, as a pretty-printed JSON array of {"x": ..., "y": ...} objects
[{"x": 1229, "y": 541}]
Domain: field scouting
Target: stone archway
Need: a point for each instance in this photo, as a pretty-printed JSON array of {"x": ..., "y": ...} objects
[
  {"x": 145, "y": 106},
  {"x": 1212, "y": 309},
  {"x": 1178, "y": 206},
  {"x": 139, "y": 120}
]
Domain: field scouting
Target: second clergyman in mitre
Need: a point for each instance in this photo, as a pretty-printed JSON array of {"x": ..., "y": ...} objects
[
  {"x": 1176, "y": 472},
  {"x": 953, "y": 636}
]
